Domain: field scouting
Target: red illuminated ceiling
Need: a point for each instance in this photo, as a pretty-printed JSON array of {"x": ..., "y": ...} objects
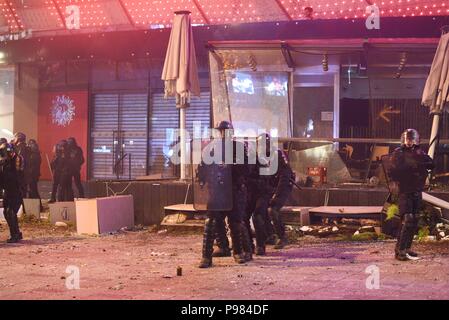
[{"x": 50, "y": 15}]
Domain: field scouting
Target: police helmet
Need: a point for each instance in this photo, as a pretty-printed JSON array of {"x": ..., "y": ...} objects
[
  {"x": 32, "y": 144},
  {"x": 71, "y": 142},
  {"x": 410, "y": 138},
  {"x": 6, "y": 151},
  {"x": 19, "y": 137}
]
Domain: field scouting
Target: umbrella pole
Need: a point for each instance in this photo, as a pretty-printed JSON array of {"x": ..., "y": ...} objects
[
  {"x": 182, "y": 127},
  {"x": 433, "y": 135}
]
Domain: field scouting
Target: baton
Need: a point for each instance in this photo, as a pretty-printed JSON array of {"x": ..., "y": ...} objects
[
  {"x": 294, "y": 183},
  {"x": 49, "y": 166}
]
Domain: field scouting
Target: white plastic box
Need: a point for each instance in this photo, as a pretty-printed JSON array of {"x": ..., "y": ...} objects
[
  {"x": 32, "y": 207},
  {"x": 103, "y": 215}
]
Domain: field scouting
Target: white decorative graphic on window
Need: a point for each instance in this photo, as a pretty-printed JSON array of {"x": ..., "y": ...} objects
[{"x": 62, "y": 111}]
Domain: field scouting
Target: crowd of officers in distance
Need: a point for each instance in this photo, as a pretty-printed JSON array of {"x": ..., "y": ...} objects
[{"x": 20, "y": 163}]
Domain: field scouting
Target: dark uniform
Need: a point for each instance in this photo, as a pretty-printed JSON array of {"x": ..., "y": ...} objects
[
  {"x": 409, "y": 170},
  {"x": 76, "y": 160},
  {"x": 260, "y": 192},
  {"x": 56, "y": 170},
  {"x": 11, "y": 167},
  {"x": 221, "y": 237},
  {"x": 62, "y": 175},
  {"x": 270, "y": 192},
  {"x": 235, "y": 216},
  {"x": 282, "y": 187},
  {"x": 21, "y": 149},
  {"x": 33, "y": 170}
]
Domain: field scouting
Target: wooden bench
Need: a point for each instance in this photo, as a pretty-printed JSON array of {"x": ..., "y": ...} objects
[{"x": 351, "y": 212}]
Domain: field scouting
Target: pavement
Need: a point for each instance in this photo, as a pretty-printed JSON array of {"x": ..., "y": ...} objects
[{"x": 53, "y": 263}]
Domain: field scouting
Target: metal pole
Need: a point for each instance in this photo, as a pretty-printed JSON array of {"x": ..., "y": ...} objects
[
  {"x": 182, "y": 127},
  {"x": 129, "y": 166},
  {"x": 433, "y": 135}
]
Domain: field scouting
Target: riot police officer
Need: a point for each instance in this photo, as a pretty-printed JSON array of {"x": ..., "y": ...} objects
[
  {"x": 235, "y": 216},
  {"x": 62, "y": 175},
  {"x": 260, "y": 192},
  {"x": 11, "y": 164},
  {"x": 76, "y": 160},
  {"x": 281, "y": 183},
  {"x": 21, "y": 149},
  {"x": 409, "y": 170},
  {"x": 33, "y": 170}
]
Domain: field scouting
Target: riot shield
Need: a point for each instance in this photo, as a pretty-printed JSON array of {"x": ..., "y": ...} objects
[
  {"x": 387, "y": 165},
  {"x": 212, "y": 182},
  {"x": 390, "y": 226}
]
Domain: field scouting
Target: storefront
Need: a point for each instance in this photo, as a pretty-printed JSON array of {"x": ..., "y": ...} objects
[{"x": 321, "y": 79}]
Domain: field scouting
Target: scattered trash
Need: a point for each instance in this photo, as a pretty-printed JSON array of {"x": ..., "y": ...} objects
[
  {"x": 117, "y": 287},
  {"x": 158, "y": 254},
  {"x": 162, "y": 231},
  {"x": 306, "y": 229},
  {"x": 61, "y": 224},
  {"x": 167, "y": 276},
  {"x": 365, "y": 229}
]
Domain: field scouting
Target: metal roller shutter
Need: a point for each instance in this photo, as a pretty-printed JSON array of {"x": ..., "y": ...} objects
[
  {"x": 125, "y": 112},
  {"x": 165, "y": 122}
]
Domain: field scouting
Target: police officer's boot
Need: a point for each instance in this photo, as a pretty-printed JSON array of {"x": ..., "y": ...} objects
[
  {"x": 404, "y": 238},
  {"x": 259, "y": 225},
  {"x": 223, "y": 249},
  {"x": 208, "y": 242},
  {"x": 14, "y": 230},
  {"x": 247, "y": 244},
  {"x": 270, "y": 233},
  {"x": 279, "y": 227},
  {"x": 237, "y": 243},
  {"x": 54, "y": 192},
  {"x": 411, "y": 235},
  {"x": 6, "y": 214},
  {"x": 398, "y": 236}
]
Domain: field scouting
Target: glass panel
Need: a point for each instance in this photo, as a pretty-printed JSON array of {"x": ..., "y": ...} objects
[{"x": 313, "y": 111}]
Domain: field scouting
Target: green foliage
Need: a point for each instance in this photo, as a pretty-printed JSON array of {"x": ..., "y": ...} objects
[
  {"x": 392, "y": 210},
  {"x": 423, "y": 233},
  {"x": 382, "y": 237}
]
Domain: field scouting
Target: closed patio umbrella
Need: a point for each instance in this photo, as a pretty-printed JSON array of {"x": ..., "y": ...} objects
[
  {"x": 180, "y": 73},
  {"x": 435, "y": 94}
]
